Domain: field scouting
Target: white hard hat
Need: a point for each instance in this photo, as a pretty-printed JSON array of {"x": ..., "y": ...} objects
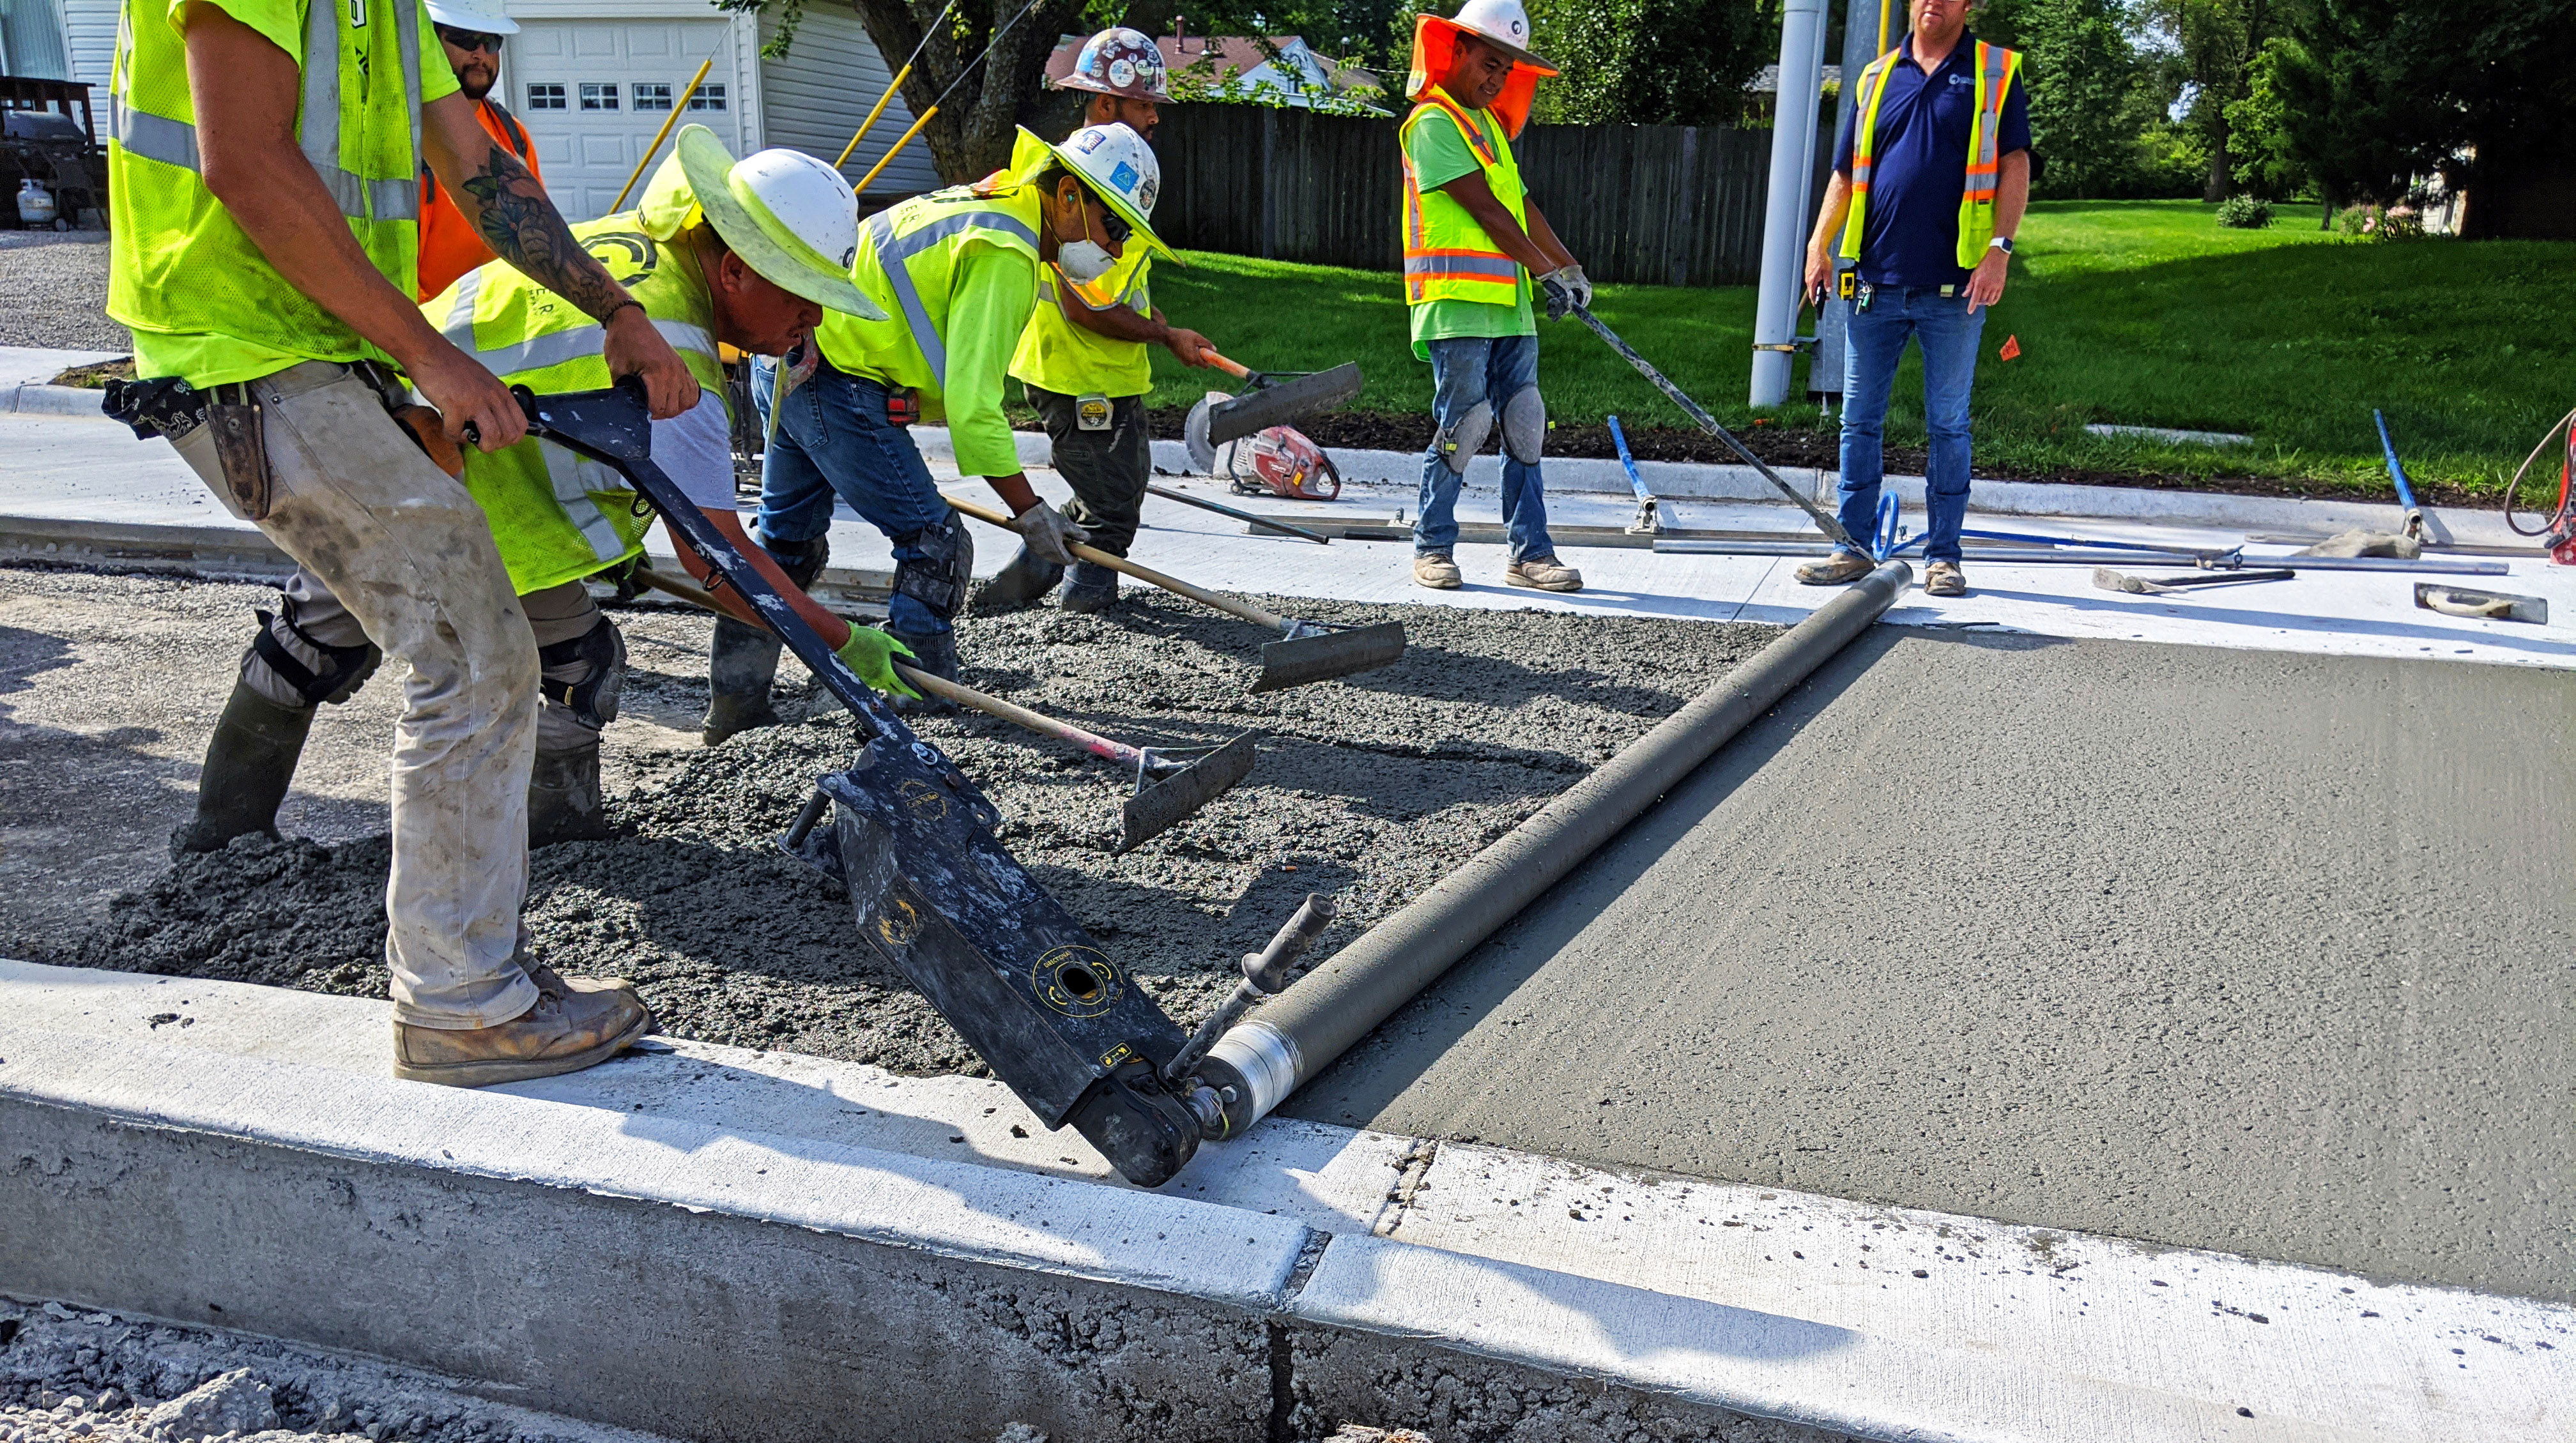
[
  {"x": 791, "y": 217},
  {"x": 483, "y": 15},
  {"x": 1503, "y": 24},
  {"x": 1119, "y": 167}
]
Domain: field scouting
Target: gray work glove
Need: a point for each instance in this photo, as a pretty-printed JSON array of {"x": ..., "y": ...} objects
[
  {"x": 1568, "y": 290},
  {"x": 1048, "y": 533}
]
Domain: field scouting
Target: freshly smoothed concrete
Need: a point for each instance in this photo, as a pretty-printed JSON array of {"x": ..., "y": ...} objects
[{"x": 2244, "y": 951}]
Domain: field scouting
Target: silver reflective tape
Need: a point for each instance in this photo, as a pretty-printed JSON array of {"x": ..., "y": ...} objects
[
  {"x": 407, "y": 28},
  {"x": 1503, "y": 266},
  {"x": 891, "y": 261},
  {"x": 573, "y": 479},
  {"x": 318, "y": 128},
  {"x": 578, "y": 343},
  {"x": 158, "y": 137},
  {"x": 914, "y": 243},
  {"x": 459, "y": 325}
]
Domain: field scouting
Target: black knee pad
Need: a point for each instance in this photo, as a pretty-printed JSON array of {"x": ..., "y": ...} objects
[
  {"x": 802, "y": 560},
  {"x": 937, "y": 578},
  {"x": 593, "y": 699},
  {"x": 344, "y": 668}
]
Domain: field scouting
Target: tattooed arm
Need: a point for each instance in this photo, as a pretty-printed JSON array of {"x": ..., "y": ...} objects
[{"x": 509, "y": 208}]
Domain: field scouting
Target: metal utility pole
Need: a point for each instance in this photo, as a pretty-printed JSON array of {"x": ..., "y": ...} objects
[
  {"x": 1784, "y": 228},
  {"x": 1871, "y": 28}
]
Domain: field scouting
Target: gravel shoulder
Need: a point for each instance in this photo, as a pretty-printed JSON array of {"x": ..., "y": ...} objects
[{"x": 53, "y": 292}]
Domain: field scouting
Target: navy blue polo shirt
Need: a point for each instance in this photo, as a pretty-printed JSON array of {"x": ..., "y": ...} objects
[{"x": 1910, "y": 230}]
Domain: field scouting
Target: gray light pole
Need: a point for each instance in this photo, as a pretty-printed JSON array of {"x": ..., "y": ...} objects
[
  {"x": 1784, "y": 228},
  {"x": 1871, "y": 28}
]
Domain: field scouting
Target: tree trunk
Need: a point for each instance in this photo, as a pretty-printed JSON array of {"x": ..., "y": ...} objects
[{"x": 2222, "y": 178}]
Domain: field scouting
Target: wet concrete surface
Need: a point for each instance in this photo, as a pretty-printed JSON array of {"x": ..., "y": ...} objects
[{"x": 2247, "y": 951}]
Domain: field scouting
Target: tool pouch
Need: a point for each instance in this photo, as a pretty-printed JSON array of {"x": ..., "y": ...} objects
[
  {"x": 903, "y": 405},
  {"x": 165, "y": 406},
  {"x": 1091, "y": 412},
  {"x": 241, "y": 446},
  {"x": 429, "y": 432}
]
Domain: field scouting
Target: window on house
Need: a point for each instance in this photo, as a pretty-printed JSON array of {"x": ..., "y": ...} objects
[
  {"x": 599, "y": 95},
  {"x": 545, "y": 97},
  {"x": 652, "y": 96},
  {"x": 709, "y": 97}
]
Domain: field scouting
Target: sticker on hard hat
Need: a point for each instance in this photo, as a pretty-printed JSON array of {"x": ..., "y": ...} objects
[
  {"x": 1122, "y": 72},
  {"x": 1089, "y": 140},
  {"x": 1125, "y": 178},
  {"x": 849, "y": 257},
  {"x": 1145, "y": 193}
]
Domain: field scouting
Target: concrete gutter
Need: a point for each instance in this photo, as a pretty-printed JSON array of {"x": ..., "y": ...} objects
[{"x": 717, "y": 1243}]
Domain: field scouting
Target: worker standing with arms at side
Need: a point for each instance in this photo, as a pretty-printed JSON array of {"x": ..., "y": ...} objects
[
  {"x": 1931, "y": 175},
  {"x": 266, "y": 197},
  {"x": 1083, "y": 357},
  {"x": 1472, "y": 243},
  {"x": 472, "y": 32},
  {"x": 955, "y": 273}
]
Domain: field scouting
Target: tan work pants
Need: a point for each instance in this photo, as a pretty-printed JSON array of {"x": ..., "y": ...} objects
[{"x": 407, "y": 551}]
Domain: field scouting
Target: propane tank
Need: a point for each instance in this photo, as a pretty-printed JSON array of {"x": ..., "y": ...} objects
[{"x": 35, "y": 204}]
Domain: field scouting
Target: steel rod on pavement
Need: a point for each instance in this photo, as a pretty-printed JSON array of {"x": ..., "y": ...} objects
[
  {"x": 679, "y": 107},
  {"x": 1262, "y": 521},
  {"x": 2013, "y": 556},
  {"x": 1299, "y": 1033}
]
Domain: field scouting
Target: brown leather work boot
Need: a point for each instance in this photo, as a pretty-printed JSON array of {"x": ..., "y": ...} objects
[
  {"x": 565, "y": 1032},
  {"x": 549, "y": 980},
  {"x": 1435, "y": 570},
  {"x": 1544, "y": 573},
  {"x": 1944, "y": 578},
  {"x": 1835, "y": 570}
]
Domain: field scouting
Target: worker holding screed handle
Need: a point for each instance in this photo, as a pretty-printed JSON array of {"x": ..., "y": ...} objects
[
  {"x": 716, "y": 251},
  {"x": 265, "y": 191},
  {"x": 955, "y": 273},
  {"x": 1931, "y": 175},
  {"x": 1472, "y": 242},
  {"x": 1083, "y": 357}
]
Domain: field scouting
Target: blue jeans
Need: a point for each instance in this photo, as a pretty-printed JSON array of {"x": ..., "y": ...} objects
[
  {"x": 1948, "y": 334},
  {"x": 833, "y": 439},
  {"x": 1465, "y": 371}
]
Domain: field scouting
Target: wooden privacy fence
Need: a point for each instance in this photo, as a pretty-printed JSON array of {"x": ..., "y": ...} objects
[{"x": 1670, "y": 205}]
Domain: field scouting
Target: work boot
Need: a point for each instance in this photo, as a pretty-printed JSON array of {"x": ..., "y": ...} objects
[
  {"x": 1835, "y": 570},
  {"x": 741, "y": 664},
  {"x": 1944, "y": 578},
  {"x": 1544, "y": 573},
  {"x": 566, "y": 1031},
  {"x": 1028, "y": 578},
  {"x": 1089, "y": 589},
  {"x": 564, "y": 804},
  {"x": 249, "y": 764},
  {"x": 936, "y": 653},
  {"x": 1435, "y": 570}
]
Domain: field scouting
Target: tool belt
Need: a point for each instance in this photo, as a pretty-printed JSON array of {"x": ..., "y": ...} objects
[{"x": 169, "y": 407}]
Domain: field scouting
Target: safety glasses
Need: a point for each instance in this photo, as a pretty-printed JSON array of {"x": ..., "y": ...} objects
[
  {"x": 1114, "y": 225},
  {"x": 470, "y": 39}
]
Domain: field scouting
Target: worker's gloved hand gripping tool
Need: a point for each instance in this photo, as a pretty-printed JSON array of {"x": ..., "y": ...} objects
[{"x": 1056, "y": 1019}]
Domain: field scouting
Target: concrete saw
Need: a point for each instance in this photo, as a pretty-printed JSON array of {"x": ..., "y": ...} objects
[{"x": 1277, "y": 398}]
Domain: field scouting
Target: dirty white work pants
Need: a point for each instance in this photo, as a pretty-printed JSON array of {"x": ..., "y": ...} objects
[{"x": 406, "y": 550}]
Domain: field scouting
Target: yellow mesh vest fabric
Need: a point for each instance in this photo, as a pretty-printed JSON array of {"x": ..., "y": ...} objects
[
  {"x": 1447, "y": 254},
  {"x": 905, "y": 261},
  {"x": 1060, "y": 356}
]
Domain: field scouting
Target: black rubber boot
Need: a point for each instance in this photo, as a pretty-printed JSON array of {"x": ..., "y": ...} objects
[
  {"x": 249, "y": 765},
  {"x": 564, "y": 804},
  {"x": 1026, "y": 580},
  {"x": 1089, "y": 589},
  {"x": 742, "y": 662},
  {"x": 936, "y": 653}
]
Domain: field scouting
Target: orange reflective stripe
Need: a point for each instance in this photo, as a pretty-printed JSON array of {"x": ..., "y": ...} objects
[{"x": 1467, "y": 125}]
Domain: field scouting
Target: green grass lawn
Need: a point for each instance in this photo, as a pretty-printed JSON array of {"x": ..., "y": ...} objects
[{"x": 2138, "y": 312}]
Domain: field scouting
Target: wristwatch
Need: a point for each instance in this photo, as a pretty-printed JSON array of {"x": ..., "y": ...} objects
[{"x": 2001, "y": 243}]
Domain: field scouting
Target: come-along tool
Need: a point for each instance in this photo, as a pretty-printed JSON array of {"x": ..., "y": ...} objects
[
  {"x": 1306, "y": 651},
  {"x": 1052, "y": 1013}
]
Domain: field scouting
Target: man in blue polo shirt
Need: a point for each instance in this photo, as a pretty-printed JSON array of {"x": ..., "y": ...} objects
[{"x": 1931, "y": 173}]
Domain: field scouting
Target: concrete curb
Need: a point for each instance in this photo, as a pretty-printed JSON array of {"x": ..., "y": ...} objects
[{"x": 45, "y": 399}]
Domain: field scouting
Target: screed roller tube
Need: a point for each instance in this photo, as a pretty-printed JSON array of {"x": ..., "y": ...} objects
[{"x": 1300, "y": 1032}]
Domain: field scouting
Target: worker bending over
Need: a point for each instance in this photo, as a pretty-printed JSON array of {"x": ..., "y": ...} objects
[
  {"x": 265, "y": 192},
  {"x": 1472, "y": 242},
  {"x": 471, "y": 31},
  {"x": 715, "y": 251},
  {"x": 1083, "y": 359},
  {"x": 955, "y": 273}
]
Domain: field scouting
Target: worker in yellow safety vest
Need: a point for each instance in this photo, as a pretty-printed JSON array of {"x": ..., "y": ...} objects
[
  {"x": 956, "y": 273},
  {"x": 1473, "y": 242},
  {"x": 1083, "y": 359},
  {"x": 1930, "y": 178},
  {"x": 718, "y": 251},
  {"x": 265, "y": 198}
]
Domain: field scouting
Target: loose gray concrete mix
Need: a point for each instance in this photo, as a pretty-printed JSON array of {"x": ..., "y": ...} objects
[
  {"x": 1368, "y": 790},
  {"x": 2251, "y": 951},
  {"x": 53, "y": 292}
]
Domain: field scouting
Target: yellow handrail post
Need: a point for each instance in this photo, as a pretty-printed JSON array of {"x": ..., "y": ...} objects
[
  {"x": 891, "y": 87},
  {"x": 906, "y": 139},
  {"x": 678, "y": 107}
]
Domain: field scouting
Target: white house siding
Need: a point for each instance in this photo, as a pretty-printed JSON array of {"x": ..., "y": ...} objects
[
  {"x": 89, "y": 34},
  {"x": 822, "y": 88}
]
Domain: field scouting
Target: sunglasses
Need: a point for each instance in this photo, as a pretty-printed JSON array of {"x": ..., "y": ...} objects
[{"x": 469, "y": 39}]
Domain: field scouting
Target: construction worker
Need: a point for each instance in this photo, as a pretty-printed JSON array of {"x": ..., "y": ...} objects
[
  {"x": 265, "y": 198},
  {"x": 472, "y": 32},
  {"x": 708, "y": 268},
  {"x": 1472, "y": 242},
  {"x": 956, "y": 273},
  {"x": 1931, "y": 174},
  {"x": 1083, "y": 358}
]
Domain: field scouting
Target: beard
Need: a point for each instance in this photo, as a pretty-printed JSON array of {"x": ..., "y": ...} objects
[{"x": 476, "y": 82}]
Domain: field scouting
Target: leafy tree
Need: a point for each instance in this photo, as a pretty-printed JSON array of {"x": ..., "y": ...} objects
[
  {"x": 2215, "y": 40},
  {"x": 2260, "y": 127},
  {"x": 2084, "y": 76},
  {"x": 1650, "y": 62}
]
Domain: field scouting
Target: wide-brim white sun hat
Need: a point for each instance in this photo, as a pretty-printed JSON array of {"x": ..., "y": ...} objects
[
  {"x": 1115, "y": 164},
  {"x": 486, "y": 16},
  {"x": 791, "y": 217}
]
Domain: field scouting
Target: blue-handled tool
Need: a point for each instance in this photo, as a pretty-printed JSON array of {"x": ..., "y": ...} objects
[
  {"x": 1647, "y": 522},
  {"x": 2397, "y": 473}
]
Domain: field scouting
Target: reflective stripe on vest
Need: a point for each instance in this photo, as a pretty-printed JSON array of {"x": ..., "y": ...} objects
[
  {"x": 1447, "y": 254},
  {"x": 893, "y": 251},
  {"x": 1994, "y": 69}
]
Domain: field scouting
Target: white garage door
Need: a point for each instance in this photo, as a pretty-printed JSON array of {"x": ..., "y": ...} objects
[{"x": 594, "y": 93}]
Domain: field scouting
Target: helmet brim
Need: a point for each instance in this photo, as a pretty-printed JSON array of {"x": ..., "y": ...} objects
[
  {"x": 455, "y": 19},
  {"x": 1079, "y": 81},
  {"x": 1519, "y": 56},
  {"x": 774, "y": 253}
]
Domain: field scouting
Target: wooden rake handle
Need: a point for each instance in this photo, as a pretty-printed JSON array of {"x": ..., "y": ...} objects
[{"x": 1173, "y": 584}]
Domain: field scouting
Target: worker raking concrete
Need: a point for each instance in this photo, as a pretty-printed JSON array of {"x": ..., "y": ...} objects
[
  {"x": 1472, "y": 241},
  {"x": 265, "y": 199},
  {"x": 1084, "y": 357},
  {"x": 472, "y": 33},
  {"x": 717, "y": 251},
  {"x": 955, "y": 273}
]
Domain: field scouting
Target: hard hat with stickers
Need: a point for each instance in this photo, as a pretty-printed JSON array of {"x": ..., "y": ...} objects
[{"x": 1119, "y": 61}]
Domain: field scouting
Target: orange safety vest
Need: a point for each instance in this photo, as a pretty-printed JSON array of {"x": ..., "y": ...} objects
[
  {"x": 1995, "y": 68},
  {"x": 1447, "y": 254},
  {"x": 449, "y": 244}
]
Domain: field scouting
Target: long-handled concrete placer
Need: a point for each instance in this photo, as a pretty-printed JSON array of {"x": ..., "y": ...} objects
[
  {"x": 1306, "y": 651},
  {"x": 1172, "y": 783}
]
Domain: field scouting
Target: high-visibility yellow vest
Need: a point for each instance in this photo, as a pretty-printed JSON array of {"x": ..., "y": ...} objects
[
  {"x": 906, "y": 257},
  {"x": 1073, "y": 360},
  {"x": 556, "y": 516},
  {"x": 1447, "y": 254},
  {"x": 180, "y": 264},
  {"x": 1995, "y": 69}
]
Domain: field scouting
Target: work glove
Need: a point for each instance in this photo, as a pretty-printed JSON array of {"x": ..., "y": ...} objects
[
  {"x": 871, "y": 654},
  {"x": 1568, "y": 290},
  {"x": 1048, "y": 533}
]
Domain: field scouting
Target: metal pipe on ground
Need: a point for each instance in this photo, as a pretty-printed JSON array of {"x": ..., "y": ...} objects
[{"x": 1299, "y": 1033}]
